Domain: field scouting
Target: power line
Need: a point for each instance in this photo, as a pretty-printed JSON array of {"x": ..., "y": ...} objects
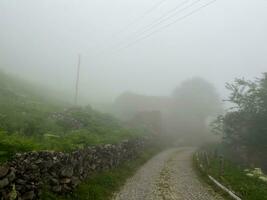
[
  {"x": 116, "y": 34},
  {"x": 143, "y": 29},
  {"x": 175, "y": 11},
  {"x": 155, "y": 6},
  {"x": 77, "y": 80},
  {"x": 169, "y": 14},
  {"x": 167, "y": 25}
]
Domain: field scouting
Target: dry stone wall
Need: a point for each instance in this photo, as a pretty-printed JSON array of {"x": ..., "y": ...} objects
[{"x": 24, "y": 177}]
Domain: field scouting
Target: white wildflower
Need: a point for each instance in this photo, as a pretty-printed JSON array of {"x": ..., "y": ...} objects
[
  {"x": 263, "y": 178},
  {"x": 249, "y": 174}
]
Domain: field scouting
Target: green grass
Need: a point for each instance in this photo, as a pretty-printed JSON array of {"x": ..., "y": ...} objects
[
  {"x": 10, "y": 144},
  {"x": 101, "y": 186},
  {"x": 29, "y": 120},
  {"x": 205, "y": 180},
  {"x": 234, "y": 178}
]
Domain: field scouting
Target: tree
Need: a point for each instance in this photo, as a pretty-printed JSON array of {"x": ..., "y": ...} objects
[
  {"x": 195, "y": 101},
  {"x": 245, "y": 122},
  {"x": 244, "y": 126},
  {"x": 198, "y": 97}
]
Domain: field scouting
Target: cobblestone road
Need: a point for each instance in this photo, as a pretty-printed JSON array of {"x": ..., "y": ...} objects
[{"x": 167, "y": 176}]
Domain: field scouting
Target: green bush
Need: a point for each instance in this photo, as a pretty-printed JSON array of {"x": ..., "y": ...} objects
[{"x": 28, "y": 121}]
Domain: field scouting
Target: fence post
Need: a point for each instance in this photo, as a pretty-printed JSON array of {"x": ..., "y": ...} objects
[
  {"x": 221, "y": 172},
  {"x": 215, "y": 153},
  {"x": 207, "y": 161}
]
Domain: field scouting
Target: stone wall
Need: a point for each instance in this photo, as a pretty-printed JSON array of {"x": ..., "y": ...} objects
[{"x": 25, "y": 176}]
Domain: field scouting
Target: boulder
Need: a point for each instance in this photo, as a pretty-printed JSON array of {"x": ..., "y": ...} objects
[
  {"x": 65, "y": 180},
  {"x": 75, "y": 181},
  {"x": 28, "y": 195},
  {"x": 11, "y": 176},
  {"x": 57, "y": 188},
  {"x": 67, "y": 172},
  {"x": 3, "y": 183},
  {"x": 3, "y": 171}
]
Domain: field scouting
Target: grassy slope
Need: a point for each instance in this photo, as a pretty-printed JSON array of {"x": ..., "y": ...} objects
[{"x": 30, "y": 120}]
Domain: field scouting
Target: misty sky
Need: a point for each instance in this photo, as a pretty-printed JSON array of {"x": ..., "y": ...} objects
[{"x": 40, "y": 39}]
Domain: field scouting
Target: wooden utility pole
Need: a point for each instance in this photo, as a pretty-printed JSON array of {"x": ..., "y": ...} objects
[{"x": 77, "y": 80}]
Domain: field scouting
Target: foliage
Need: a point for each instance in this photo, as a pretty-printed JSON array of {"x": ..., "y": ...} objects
[
  {"x": 245, "y": 123},
  {"x": 14, "y": 143},
  {"x": 30, "y": 122},
  {"x": 11, "y": 144}
]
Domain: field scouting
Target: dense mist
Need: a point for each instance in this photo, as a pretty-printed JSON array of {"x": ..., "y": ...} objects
[
  {"x": 40, "y": 41},
  {"x": 133, "y": 99}
]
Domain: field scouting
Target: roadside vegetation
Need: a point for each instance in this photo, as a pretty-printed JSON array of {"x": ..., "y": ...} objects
[
  {"x": 240, "y": 160},
  {"x": 29, "y": 121},
  {"x": 246, "y": 185},
  {"x": 243, "y": 127}
]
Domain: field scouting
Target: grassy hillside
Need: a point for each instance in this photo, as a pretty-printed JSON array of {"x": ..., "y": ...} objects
[{"x": 30, "y": 120}]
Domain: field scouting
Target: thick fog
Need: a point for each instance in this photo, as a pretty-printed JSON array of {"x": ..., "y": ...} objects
[{"x": 41, "y": 40}]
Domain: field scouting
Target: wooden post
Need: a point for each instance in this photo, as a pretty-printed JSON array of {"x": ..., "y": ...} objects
[
  {"x": 216, "y": 153},
  {"x": 77, "y": 80},
  {"x": 207, "y": 161},
  {"x": 221, "y": 170}
]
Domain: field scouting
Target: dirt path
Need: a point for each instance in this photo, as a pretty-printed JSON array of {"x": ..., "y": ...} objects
[{"x": 167, "y": 176}]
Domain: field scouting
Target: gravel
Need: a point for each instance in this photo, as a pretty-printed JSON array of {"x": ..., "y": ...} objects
[{"x": 167, "y": 176}]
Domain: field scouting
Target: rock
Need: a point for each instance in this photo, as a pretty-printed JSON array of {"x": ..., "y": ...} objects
[
  {"x": 53, "y": 181},
  {"x": 67, "y": 172},
  {"x": 3, "y": 183},
  {"x": 48, "y": 164},
  {"x": 19, "y": 187},
  {"x": 3, "y": 171},
  {"x": 65, "y": 180},
  {"x": 29, "y": 186},
  {"x": 18, "y": 154},
  {"x": 11, "y": 176},
  {"x": 57, "y": 188},
  {"x": 34, "y": 167},
  {"x": 53, "y": 174},
  {"x": 39, "y": 161},
  {"x": 20, "y": 181},
  {"x": 93, "y": 167},
  {"x": 66, "y": 187},
  {"x": 75, "y": 181},
  {"x": 28, "y": 172},
  {"x": 28, "y": 196}
]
